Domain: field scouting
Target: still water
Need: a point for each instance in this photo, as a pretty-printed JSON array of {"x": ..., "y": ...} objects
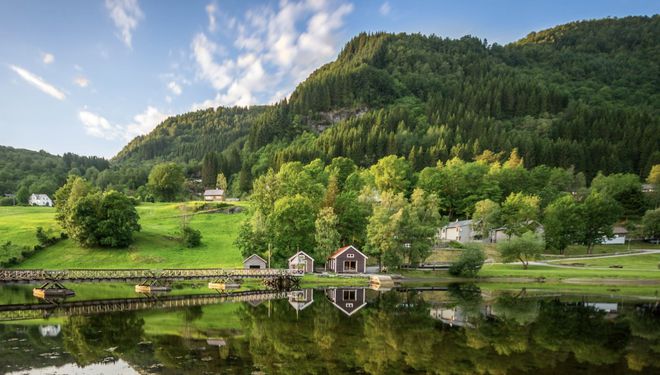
[{"x": 456, "y": 329}]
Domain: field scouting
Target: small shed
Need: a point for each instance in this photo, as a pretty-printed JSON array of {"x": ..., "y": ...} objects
[
  {"x": 347, "y": 259},
  {"x": 254, "y": 261},
  {"x": 213, "y": 195},
  {"x": 301, "y": 261},
  {"x": 618, "y": 238}
]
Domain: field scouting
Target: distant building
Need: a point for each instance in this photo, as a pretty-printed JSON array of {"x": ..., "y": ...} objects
[
  {"x": 254, "y": 261},
  {"x": 459, "y": 230},
  {"x": 40, "y": 200},
  {"x": 213, "y": 195},
  {"x": 301, "y": 299},
  {"x": 301, "y": 261},
  {"x": 348, "y": 300},
  {"x": 619, "y": 237},
  {"x": 648, "y": 188},
  {"x": 347, "y": 259},
  {"x": 499, "y": 234}
]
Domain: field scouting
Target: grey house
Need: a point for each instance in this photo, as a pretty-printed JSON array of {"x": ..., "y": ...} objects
[
  {"x": 459, "y": 230},
  {"x": 348, "y": 300},
  {"x": 254, "y": 261},
  {"x": 348, "y": 259}
]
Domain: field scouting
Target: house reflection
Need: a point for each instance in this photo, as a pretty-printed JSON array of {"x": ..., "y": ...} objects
[
  {"x": 452, "y": 316},
  {"x": 348, "y": 300},
  {"x": 301, "y": 299}
]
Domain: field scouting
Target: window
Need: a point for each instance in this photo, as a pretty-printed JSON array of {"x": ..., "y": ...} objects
[
  {"x": 349, "y": 305},
  {"x": 349, "y": 295},
  {"x": 350, "y": 266},
  {"x": 254, "y": 266},
  {"x": 350, "y": 255}
]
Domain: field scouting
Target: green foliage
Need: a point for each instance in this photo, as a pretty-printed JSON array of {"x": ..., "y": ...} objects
[
  {"x": 469, "y": 263},
  {"x": 519, "y": 214},
  {"x": 625, "y": 189},
  {"x": 93, "y": 218},
  {"x": 524, "y": 248},
  {"x": 651, "y": 224},
  {"x": 166, "y": 181},
  {"x": 392, "y": 173},
  {"x": 221, "y": 182},
  {"x": 292, "y": 226},
  {"x": 23, "y": 195},
  {"x": 486, "y": 217},
  {"x": 600, "y": 212},
  {"x": 191, "y": 237},
  {"x": 563, "y": 223},
  {"x": 7, "y": 201},
  {"x": 327, "y": 236}
]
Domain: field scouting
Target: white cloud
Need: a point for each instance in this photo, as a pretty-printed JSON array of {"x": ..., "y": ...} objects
[
  {"x": 38, "y": 82},
  {"x": 210, "y": 11},
  {"x": 98, "y": 126},
  {"x": 175, "y": 88},
  {"x": 385, "y": 8},
  {"x": 81, "y": 81},
  {"x": 126, "y": 14},
  {"x": 218, "y": 74},
  {"x": 275, "y": 46},
  {"x": 144, "y": 122},
  {"x": 48, "y": 58},
  {"x": 168, "y": 99}
]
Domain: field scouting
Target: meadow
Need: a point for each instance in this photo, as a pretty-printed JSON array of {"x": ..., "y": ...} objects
[{"x": 156, "y": 246}]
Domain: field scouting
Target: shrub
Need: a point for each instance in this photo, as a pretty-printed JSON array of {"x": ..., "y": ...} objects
[
  {"x": 6, "y": 201},
  {"x": 191, "y": 237},
  {"x": 469, "y": 263},
  {"x": 456, "y": 245}
]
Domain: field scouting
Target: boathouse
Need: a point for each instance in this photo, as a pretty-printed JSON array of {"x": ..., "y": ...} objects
[
  {"x": 254, "y": 261},
  {"x": 348, "y": 300},
  {"x": 347, "y": 259},
  {"x": 301, "y": 261}
]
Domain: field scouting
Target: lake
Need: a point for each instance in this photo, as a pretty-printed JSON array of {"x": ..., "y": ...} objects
[{"x": 447, "y": 329}]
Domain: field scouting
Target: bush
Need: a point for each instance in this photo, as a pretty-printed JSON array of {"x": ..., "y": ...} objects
[
  {"x": 6, "y": 201},
  {"x": 191, "y": 237},
  {"x": 455, "y": 245},
  {"x": 469, "y": 263}
]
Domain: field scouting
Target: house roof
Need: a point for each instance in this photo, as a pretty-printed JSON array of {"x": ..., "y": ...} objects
[
  {"x": 619, "y": 230},
  {"x": 255, "y": 256},
  {"x": 41, "y": 196},
  {"x": 341, "y": 250},
  {"x": 213, "y": 192},
  {"x": 298, "y": 253},
  {"x": 459, "y": 223}
]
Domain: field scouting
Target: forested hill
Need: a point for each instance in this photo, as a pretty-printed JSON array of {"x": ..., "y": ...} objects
[
  {"x": 585, "y": 94},
  {"x": 41, "y": 172}
]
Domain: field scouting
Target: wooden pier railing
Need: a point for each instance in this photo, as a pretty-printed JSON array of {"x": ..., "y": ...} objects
[
  {"x": 18, "y": 275},
  {"x": 43, "y": 310}
]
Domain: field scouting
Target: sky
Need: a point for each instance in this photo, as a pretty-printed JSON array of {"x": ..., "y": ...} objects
[{"x": 87, "y": 76}]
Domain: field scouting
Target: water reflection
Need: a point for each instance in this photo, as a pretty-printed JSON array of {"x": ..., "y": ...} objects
[{"x": 347, "y": 330}]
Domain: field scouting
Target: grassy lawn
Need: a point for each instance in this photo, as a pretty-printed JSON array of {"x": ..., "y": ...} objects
[
  {"x": 155, "y": 246},
  {"x": 609, "y": 249},
  {"x": 630, "y": 262},
  {"x": 537, "y": 271}
]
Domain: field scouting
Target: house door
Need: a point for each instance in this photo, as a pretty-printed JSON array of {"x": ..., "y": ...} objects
[{"x": 350, "y": 266}]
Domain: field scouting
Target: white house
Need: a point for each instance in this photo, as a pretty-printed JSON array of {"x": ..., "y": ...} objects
[
  {"x": 499, "y": 234},
  {"x": 459, "y": 230},
  {"x": 40, "y": 200},
  {"x": 301, "y": 261},
  {"x": 214, "y": 195},
  {"x": 619, "y": 237}
]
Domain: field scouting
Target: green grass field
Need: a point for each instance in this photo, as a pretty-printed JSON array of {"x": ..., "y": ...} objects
[
  {"x": 155, "y": 246},
  {"x": 630, "y": 262},
  {"x": 549, "y": 272}
]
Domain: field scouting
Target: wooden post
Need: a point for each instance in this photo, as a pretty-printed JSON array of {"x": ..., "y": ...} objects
[{"x": 269, "y": 255}]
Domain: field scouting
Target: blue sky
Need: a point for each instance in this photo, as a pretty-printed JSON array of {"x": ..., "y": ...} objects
[{"x": 87, "y": 76}]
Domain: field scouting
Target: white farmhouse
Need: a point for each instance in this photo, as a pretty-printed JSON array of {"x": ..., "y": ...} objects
[
  {"x": 40, "y": 200},
  {"x": 619, "y": 237}
]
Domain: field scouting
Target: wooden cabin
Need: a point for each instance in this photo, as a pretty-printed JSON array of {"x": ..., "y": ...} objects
[
  {"x": 301, "y": 299},
  {"x": 348, "y": 300},
  {"x": 347, "y": 259},
  {"x": 301, "y": 261},
  {"x": 254, "y": 261}
]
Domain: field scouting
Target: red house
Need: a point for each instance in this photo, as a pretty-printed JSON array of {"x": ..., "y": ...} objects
[{"x": 348, "y": 259}]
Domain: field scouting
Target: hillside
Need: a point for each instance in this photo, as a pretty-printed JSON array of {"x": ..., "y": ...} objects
[
  {"x": 582, "y": 94},
  {"x": 40, "y": 171}
]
